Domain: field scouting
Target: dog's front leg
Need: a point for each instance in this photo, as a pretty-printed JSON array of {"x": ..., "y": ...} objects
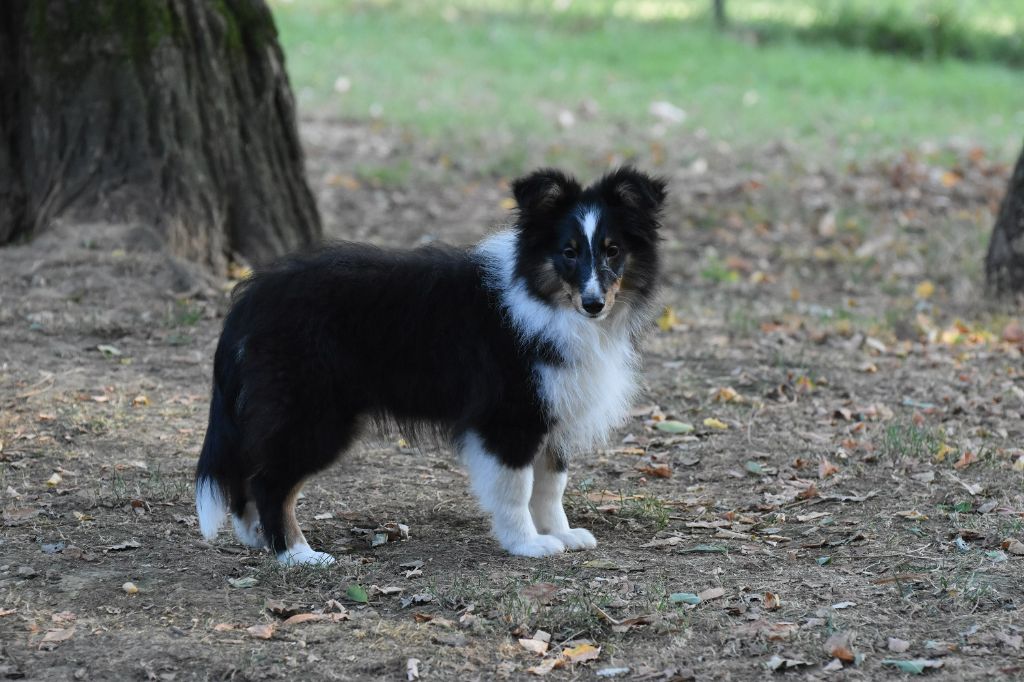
[
  {"x": 549, "y": 480},
  {"x": 504, "y": 492}
]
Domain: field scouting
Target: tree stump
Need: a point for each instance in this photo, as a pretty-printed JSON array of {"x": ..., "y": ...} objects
[
  {"x": 173, "y": 113},
  {"x": 1004, "y": 263}
]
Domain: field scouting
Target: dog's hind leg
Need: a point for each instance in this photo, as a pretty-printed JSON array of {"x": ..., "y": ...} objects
[
  {"x": 248, "y": 528},
  {"x": 550, "y": 476},
  {"x": 276, "y": 502}
]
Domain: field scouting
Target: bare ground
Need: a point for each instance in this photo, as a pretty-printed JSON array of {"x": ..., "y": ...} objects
[{"x": 857, "y": 497}]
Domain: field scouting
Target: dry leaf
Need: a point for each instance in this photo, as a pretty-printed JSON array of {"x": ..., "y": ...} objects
[
  {"x": 54, "y": 480},
  {"x": 716, "y": 424},
  {"x": 130, "y": 588},
  {"x": 1013, "y": 546},
  {"x": 771, "y": 601},
  {"x": 581, "y": 653},
  {"x": 534, "y": 646},
  {"x": 303, "y": 618},
  {"x": 898, "y": 646},
  {"x": 826, "y": 468},
  {"x": 261, "y": 631},
  {"x": 838, "y": 646},
  {"x": 53, "y": 637},
  {"x": 545, "y": 666},
  {"x": 668, "y": 320},
  {"x": 224, "y": 627},
  {"x": 711, "y": 593},
  {"x": 663, "y": 542},
  {"x": 657, "y": 470},
  {"x": 924, "y": 290},
  {"x": 966, "y": 460},
  {"x": 542, "y": 593},
  {"x": 777, "y": 662}
]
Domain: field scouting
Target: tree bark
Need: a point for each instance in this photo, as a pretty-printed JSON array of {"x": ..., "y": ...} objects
[
  {"x": 721, "y": 20},
  {"x": 175, "y": 113},
  {"x": 1004, "y": 263}
]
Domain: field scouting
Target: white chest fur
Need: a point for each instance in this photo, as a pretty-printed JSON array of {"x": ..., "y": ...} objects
[{"x": 591, "y": 392}]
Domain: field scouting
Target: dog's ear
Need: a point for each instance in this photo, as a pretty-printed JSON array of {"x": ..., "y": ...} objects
[
  {"x": 634, "y": 190},
  {"x": 544, "y": 192}
]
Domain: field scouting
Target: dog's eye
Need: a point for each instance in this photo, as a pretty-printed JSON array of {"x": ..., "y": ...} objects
[
  {"x": 569, "y": 254},
  {"x": 612, "y": 250}
]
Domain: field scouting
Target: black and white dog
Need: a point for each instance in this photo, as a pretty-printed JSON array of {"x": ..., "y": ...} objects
[{"x": 521, "y": 350}]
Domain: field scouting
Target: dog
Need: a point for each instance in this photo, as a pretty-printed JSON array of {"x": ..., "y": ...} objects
[{"x": 520, "y": 352}]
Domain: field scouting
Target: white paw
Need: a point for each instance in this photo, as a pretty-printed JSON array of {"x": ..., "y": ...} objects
[
  {"x": 304, "y": 555},
  {"x": 577, "y": 538},
  {"x": 536, "y": 546}
]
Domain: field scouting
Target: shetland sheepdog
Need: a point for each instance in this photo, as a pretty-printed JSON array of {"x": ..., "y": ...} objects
[{"x": 521, "y": 351}]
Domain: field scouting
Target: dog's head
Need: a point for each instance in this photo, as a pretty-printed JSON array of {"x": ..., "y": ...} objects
[{"x": 585, "y": 247}]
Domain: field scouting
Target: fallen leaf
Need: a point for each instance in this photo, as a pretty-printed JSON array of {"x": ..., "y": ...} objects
[
  {"x": 712, "y": 593},
  {"x": 224, "y": 627},
  {"x": 672, "y": 426},
  {"x": 581, "y": 653},
  {"x": 54, "y": 637},
  {"x": 776, "y": 663},
  {"x": 771, "y": 601},
  {"x": 534, "y": 646},
  {"x": 140, "y": 401},
  {"x": 663, "y": 542},
  {"x": 716, "y": 424},
  {"x": 706, "y": 549},
  {"x": 356, "y": 593},
  {"x": 1013, "y": 546},
  {"x": 299, "y": 618},
  {"x": 898, "y": 646},
  {"x": 658, "y": 470},
  {"x": 914, "y": 666},
  {"x": 542, "y": 593},
  {"x": 844, "y": 605},
  {"x": 924, "y": 290},
  {"x": 606, "y": 564},
  {"x": 545, "y": 666},
  {"x": 412, "y": 669},
  {"x": 7, "y": 612},
  {"x": 54, "y": 480},
  {"x": 833, "y": 666},
  {"x": 912, "y": 515},
  {"x": 130, "y": 588},
  {"x": 684, "y": 598},
  {"x": 826, "y": 468},
  {"x": 838, "y": 646},
  {"x": 966, "y": 459},
  {"x": 243, "y": 583},
  {"x": 261, "y": 631},
  {"x": 433, "y": 619},
  {"x": 668, "y": 320},
  {"x": 726, "y": 394},
  {"x": 123, "y": 546}
]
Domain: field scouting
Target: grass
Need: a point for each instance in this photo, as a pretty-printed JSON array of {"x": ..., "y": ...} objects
[{"x": 489, "y": 79}]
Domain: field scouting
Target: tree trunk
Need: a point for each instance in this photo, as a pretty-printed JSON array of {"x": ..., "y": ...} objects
[
  {"x": 1004, "y": 263},
  {"x": 721, "y": 20},
  {"x": 175, "y": 113}
]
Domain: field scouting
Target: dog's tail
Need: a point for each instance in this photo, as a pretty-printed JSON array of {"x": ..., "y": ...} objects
[{"x": 213, "y": 472}]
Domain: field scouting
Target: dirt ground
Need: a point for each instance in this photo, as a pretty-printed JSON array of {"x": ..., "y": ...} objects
[{"x": 849, "y": 499}]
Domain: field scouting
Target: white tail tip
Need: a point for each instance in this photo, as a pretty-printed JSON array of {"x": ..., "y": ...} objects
[{"x": 211, "y": 507}]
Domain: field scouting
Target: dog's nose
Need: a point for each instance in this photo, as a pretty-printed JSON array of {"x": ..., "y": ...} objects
[{"x": 593, "y": 305}]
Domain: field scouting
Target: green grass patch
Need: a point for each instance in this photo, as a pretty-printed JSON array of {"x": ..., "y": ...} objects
[{"x": 502, "y": 77}]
